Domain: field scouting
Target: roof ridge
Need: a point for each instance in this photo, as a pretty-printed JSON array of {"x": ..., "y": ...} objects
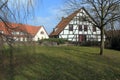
[{"x": 62, "y": 24}]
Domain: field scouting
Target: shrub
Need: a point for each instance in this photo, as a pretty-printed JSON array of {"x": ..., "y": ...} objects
[
  {"x": 57, "y": 40},
  {"x": 90, "y": 43},
  {"x": 115, "y": 42}
]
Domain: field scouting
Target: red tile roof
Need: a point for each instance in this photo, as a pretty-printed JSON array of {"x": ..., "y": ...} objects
[
  {"x": 65, "y": 21},
  {"x": 32, "y": 30}
]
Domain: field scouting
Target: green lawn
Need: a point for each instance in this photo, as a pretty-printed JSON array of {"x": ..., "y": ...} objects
[{"x": 63, "y": 63}]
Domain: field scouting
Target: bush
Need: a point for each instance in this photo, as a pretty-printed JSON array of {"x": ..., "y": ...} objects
[
  {"x": 90, "y": 43},
  {"x": 115, "y": 42},
  {"x": 57, "y": 40}
]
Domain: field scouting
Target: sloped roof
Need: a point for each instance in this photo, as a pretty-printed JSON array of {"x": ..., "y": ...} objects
[
  {"x": 65, "y": 21},
  {"x": 32, "y": 30}
]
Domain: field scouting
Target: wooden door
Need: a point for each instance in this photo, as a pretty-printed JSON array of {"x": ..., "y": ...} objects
[{"x": 82, "y": 38}]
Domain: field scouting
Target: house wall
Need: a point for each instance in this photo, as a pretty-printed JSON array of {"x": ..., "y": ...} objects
[
  {"x": 74, "y": 35},
  {"x": 41, "y": 34}
]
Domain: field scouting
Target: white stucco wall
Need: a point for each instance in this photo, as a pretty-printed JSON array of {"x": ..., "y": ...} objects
[{"x": 40, "y": 35}]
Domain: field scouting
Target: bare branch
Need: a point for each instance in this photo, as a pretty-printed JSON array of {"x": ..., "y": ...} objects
[{"x": 3, "y": 4}]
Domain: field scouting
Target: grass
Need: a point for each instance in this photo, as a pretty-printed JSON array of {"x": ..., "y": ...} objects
[{"x": 63, "y": 63}]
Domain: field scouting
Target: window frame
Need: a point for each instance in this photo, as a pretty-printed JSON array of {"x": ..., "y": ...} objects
[
  {"x": 85, "y": 27},
  {"x": 94, "y": 29},
  {"x": 80, "y": 27},
  {"x": 70, "y": 27},
  {"x": 42, "y": 32}
]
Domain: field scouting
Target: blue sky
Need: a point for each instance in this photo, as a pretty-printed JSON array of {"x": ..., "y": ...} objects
[{"x": 48, "y": 14}]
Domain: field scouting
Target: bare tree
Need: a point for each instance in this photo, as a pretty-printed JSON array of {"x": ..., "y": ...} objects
[
  {"x": 18, "y": 11},
  {"x": 103, "y": 12}
]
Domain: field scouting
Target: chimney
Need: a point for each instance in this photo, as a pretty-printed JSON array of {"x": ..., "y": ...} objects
[
  {"x": 63, "y": 18},
  {"x": 53, "y": 29}
]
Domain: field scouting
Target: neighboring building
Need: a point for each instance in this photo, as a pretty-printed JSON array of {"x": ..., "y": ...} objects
[
  {"x": 111, "y": 34},
  {"x": 77, "y": 28},
  {"x": 23, "y": 32}
]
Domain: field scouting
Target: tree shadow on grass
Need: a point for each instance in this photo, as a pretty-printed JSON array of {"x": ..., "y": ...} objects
[{"x": 44, "y": 67}]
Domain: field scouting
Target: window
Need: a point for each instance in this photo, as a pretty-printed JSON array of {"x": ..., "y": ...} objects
[
  {"x": 1, "y": 31},
  {"x": 21, "y": 33},
  {"x": 70, "y": 27},
  {"x": 82, "y": 38},
  {"x": 15, "y": 33},
  {"x": 80, "y": 27},
  {"x": 85, "y": 28},
  {"x": 42, "y": 32},
  {"x": 94, "y": 28}
]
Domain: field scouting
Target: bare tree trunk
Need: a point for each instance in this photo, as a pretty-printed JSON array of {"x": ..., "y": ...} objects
[
  {"x": 1, "y": 52},
  {"x": 102, "y": 41},
  {"x": 11, "y": 63}
]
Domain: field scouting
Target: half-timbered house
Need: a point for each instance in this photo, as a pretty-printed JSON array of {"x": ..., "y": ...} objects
[{"x": 77, "y": 27}]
